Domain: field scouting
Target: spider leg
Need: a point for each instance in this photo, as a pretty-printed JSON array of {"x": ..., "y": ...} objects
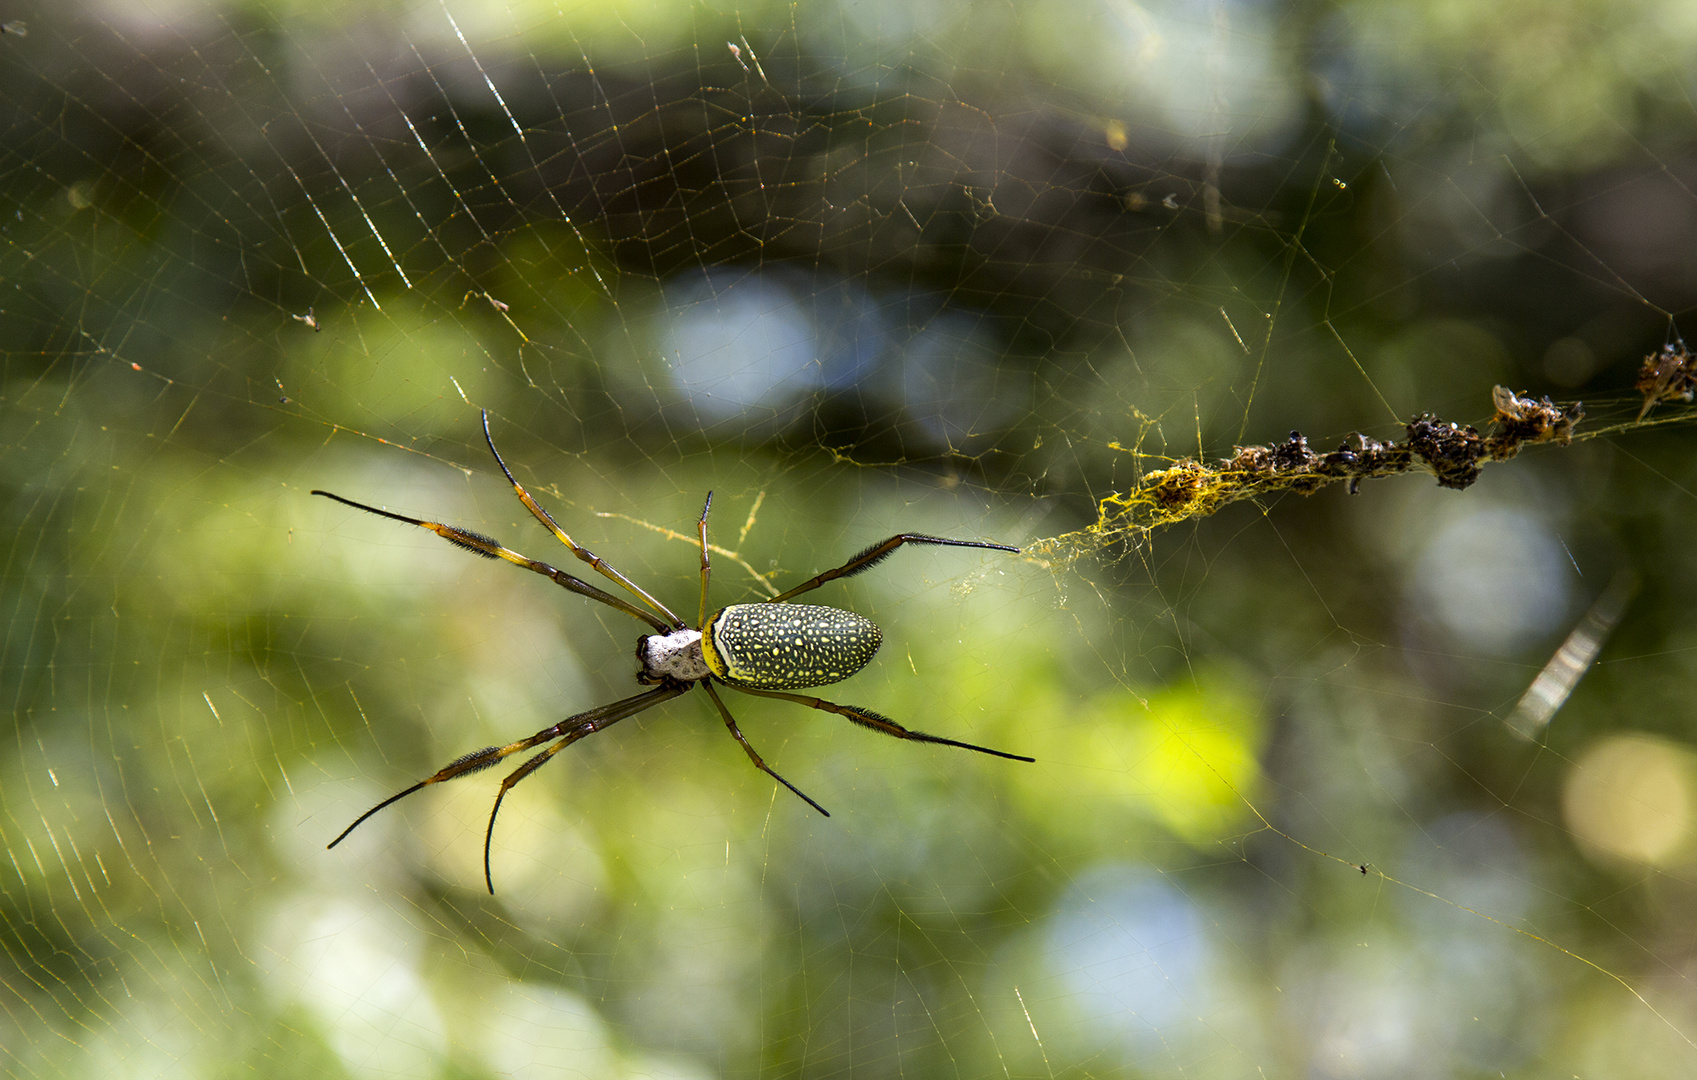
[
  {"x": 512, "y": 778},
  {"x": 601, "y": 565},
  {"x": 706, "y": 568},
  {"x": 876, "y": 554},
  {"x": 878, "y": 722},
  {"x": 752, "y": 756},
  {"x": 490, "y": 548},
  {"x": 608, "y": 715},
  {"x": 571, "y": 728}
]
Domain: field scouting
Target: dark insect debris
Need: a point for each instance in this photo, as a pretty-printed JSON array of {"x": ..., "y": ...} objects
[
  {"x": 1453, "y": 453},
  {"x": 1670, "y": 375}
]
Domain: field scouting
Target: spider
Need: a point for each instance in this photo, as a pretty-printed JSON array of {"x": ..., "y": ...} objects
[{"x": 765, "y": 649}]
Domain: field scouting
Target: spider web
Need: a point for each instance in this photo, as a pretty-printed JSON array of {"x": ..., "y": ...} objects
[{"x": 1398, "y": 784}]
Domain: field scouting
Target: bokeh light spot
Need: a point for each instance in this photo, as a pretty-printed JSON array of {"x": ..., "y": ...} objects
[{"x": 1630, "y": 797}]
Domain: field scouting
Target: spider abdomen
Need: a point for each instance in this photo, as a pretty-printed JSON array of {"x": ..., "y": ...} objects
[{"x": 787, "y": 646}]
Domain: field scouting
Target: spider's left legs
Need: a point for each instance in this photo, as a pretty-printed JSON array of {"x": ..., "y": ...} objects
[
  {"x": 601, "y": 565},
  {"x": 752, "y": 756},
  {"x": 490, "y": 548},
  {"x": 701, "y": 620},
  {"x": 876, "y": 554},
  {"x": 878, "y": 722}
]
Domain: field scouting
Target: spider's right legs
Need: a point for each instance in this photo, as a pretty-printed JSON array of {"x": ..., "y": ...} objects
[
  {"x": 749, "y": 750},
  {"x": 571, "y": 729},
  {"x": 606, "y": 716},
  {"x": 879, "y": 722}
]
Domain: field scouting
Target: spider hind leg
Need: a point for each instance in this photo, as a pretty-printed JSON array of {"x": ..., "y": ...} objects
[
  {"x": 876, "y": 554},
  {"x": 866, "y": 718}
]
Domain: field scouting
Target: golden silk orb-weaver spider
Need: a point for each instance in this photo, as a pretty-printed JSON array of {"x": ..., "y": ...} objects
[{"x": 765, "y": 649}]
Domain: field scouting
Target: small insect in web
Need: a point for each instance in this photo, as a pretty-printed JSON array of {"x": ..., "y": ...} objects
[
  {"x": 1670, "y": 375},
  {"x": 765, "y": 649}
]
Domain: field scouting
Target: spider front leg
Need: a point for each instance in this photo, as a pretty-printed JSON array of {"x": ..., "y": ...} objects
[
  {"x": 490, "y": 548},
  {"x": 572, "y": 728},
  {"x": 601, "y": 565},
  {"x": 570, "y": 731}
]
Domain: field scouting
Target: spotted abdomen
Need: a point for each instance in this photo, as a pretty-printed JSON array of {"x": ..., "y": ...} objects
[{"x": 787, "y": 646}]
